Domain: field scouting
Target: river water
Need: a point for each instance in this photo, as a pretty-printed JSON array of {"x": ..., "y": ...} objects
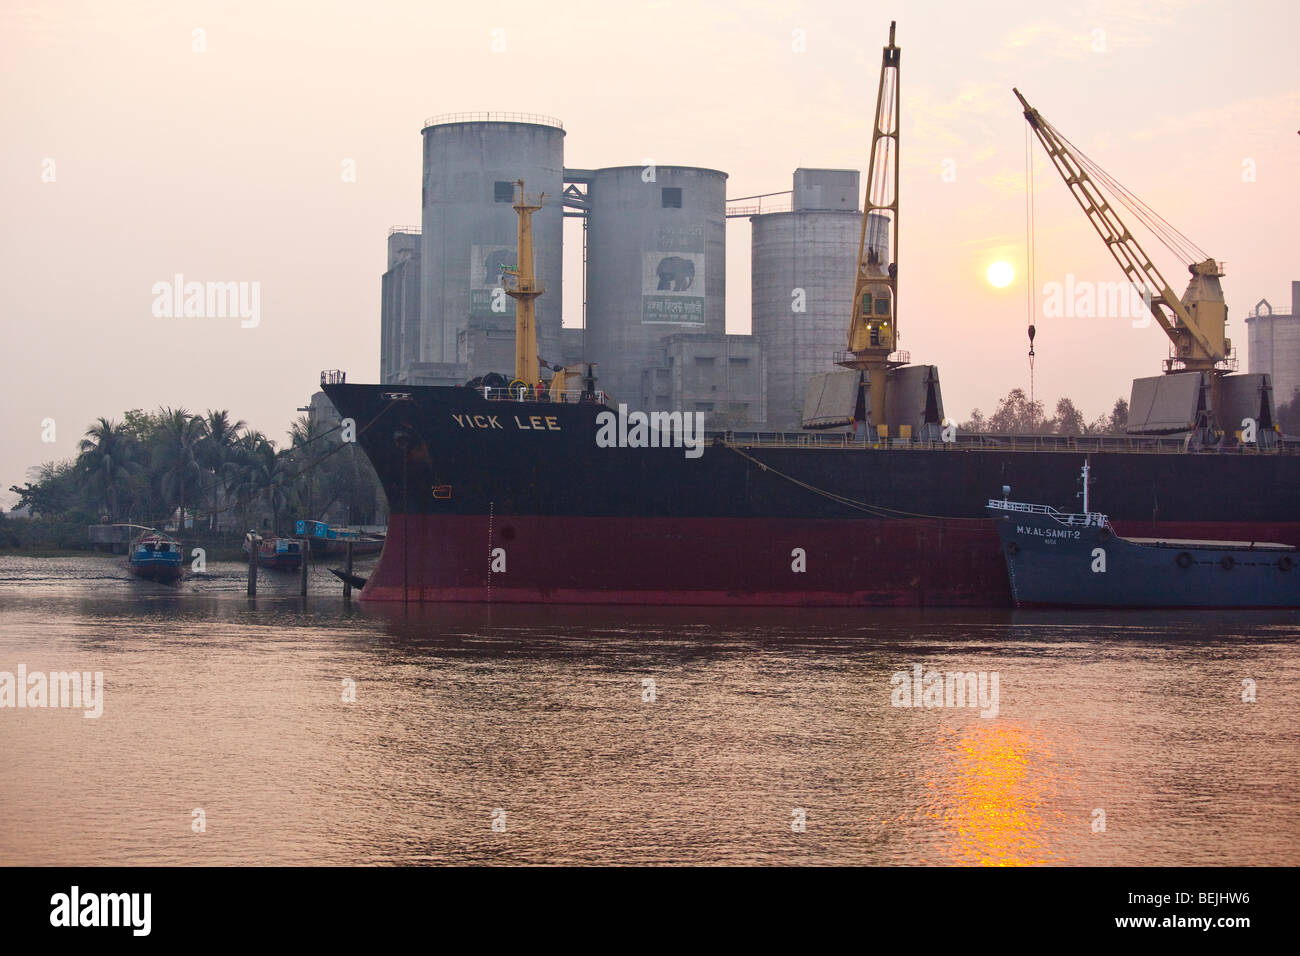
[{"x": 586, "y": 735}]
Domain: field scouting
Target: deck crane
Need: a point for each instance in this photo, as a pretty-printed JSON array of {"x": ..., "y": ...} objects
[
  {"x": 873, "y": 328},
  {"x": 1196, "y": 323},
  {"x": 528, "y": 361},
  {"x": 525, "y": 292}
]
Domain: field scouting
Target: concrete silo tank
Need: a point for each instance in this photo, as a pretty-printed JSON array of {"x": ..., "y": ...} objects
[
  {"x": 656, "y": 266},
  {"x": 802, "y": 272},
  {"x": 1274, "y": 344},
  {"x": 469, "y": 229}
]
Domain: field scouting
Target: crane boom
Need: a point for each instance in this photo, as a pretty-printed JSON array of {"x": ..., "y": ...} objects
[
  {"x": 873, "y": 326},
  {"x": 1194, "y": 324}
]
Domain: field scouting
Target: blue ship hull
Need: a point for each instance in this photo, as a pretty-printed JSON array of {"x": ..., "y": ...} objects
[
  {"x": 156, "y": 557},
  {"x": 1060, "y": 560},
  {"x": 156, "y": 568}
]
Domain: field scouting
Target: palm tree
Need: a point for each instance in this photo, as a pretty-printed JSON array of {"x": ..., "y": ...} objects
[
  {"x": 215, "y": 450},
  {"x": 302, "y": 433},
  {"x": 107, "y": 458},
  {"x": 180, "y": 437},
  {"x": 235, "y": 472},
  {"x": 258, "y": 470}
]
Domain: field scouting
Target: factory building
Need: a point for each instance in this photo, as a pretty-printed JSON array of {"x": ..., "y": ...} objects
[
  {"x": 321, "y": 413},
  {"x": 718, "y": 374},
  {"x": 802, "y": 281},
  {"x": 399, "y": 335},
  {"x": 655, "y": 275},
  {"x": 1274, "y": 344}
]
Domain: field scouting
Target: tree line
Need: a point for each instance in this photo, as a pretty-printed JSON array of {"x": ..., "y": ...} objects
[
  {"x": 1017, "y": 415},
  {"x": 151, "y": 466},
  {"x": 1287, "y": 415}
]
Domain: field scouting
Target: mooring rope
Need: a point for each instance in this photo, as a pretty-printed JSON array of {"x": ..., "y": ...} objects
[{"x": 879, "y": 511}]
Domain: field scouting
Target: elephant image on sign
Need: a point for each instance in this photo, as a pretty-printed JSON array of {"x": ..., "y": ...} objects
[{"x": 675, "y": 273}]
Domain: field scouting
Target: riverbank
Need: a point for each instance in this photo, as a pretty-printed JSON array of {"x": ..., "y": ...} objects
[{"x": 224, "y": 548}]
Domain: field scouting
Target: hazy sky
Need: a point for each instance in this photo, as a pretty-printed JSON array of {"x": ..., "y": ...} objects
[{"x": 227, "y": 165}]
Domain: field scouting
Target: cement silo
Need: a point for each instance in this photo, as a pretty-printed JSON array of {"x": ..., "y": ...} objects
[
  {"x": 656, "y": 266},
  {"x": 1274, "y": 343},
  {"x": 802, "y": 279},
  {"x": 469, "y": 228}
]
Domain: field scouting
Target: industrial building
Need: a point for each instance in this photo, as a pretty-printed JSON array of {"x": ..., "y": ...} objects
[
  {"x": 399, "y": 333},
  {"x": 1274, "y": 344},
  {"x": 719, "y": 374},
  {"x": 655, "y": 274}
]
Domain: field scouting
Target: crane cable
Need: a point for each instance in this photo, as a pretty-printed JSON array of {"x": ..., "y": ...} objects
[
  {"x": 1165, "y": 232},
  {"x": 1031, "y": 264},
  {"x": 878, "y": 511}
]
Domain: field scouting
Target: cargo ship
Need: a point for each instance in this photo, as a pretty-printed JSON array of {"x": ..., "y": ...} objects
[
  {"x": 494, "y": 498},
  {"x": 536, "y": 489}
]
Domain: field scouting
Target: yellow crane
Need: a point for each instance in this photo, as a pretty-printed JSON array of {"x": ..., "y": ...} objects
[
  {"x": 873, "y": 327},
  {"x": 1196, "y": 324},
  {"x": 525, "y": 293}
]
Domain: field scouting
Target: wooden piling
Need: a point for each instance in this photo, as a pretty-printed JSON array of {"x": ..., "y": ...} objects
[
  {"x": 253, "y": 542},
  {"x": 347, "y": 581},
  {"x": 302, "y": 577}
]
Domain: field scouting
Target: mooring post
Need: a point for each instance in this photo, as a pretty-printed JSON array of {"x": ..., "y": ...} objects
[
  {"x": 302, "y": 578},
  {"x": 347, "y": 581},
  {"x": 252, "y": 541}
]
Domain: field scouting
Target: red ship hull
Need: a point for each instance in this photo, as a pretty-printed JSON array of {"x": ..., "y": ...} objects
[{"x": 746, "y": 561}]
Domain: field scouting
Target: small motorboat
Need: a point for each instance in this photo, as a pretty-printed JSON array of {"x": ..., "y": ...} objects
[
  {"x": 325, "y": 540},
  {"x": 156, "y": 557},
  {"x": 278, "y": 554}
]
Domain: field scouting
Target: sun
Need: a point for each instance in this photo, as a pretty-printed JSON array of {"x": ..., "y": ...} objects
[{"x": 1000, "y": 274}]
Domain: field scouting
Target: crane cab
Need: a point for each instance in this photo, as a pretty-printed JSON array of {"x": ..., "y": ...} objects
[{"x": 873, "y": 327}]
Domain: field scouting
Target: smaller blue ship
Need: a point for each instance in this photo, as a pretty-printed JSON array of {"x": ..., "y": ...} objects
[
  {"x": 1056, "y": 559},
  {"x": 156, "y": 557}
]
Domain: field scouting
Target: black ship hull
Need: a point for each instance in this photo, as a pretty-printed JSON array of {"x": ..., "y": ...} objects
[{"x": 518, "y": 501}]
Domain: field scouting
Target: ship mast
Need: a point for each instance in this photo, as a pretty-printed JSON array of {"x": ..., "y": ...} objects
[
  {"x": 525, "y": 293},
  {"x": 873, "y": 328}
]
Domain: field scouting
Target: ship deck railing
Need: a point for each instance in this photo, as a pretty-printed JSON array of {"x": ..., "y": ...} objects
[
  {"x": 1090, "y": 519},
  {"x": 522, "y": 394},
  {"x": 983, "y": 442}
]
